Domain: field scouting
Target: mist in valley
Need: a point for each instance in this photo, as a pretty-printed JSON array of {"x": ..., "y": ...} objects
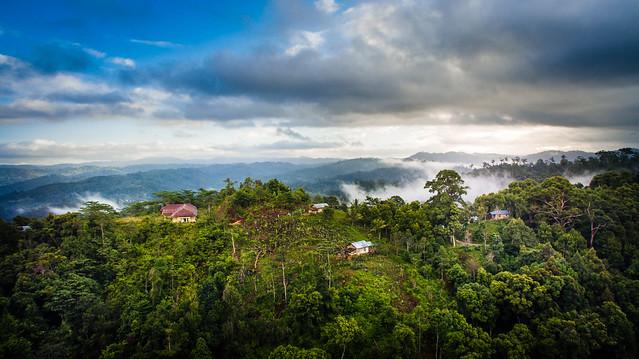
[
  {"x": 82, "y": 199},
  {"x": 413, "y": 190}
]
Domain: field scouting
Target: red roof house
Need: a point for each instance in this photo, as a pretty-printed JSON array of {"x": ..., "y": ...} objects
[{"x": 180, "y": 212}]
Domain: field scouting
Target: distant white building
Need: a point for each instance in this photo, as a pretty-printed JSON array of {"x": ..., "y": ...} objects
[
  {"x": 317, "y": 208},
  {"x": 359, "y": 247},
  {"x": 500, "y": 214}
]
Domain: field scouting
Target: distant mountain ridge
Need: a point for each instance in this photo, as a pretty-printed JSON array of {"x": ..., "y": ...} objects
[
  {"x": 30, "y": 199},
  {"x": 556, "y": 155},
  {"x": 454, "y": 157},
  {"x": 35, "y": 190},
  {"x": 463, "y": 157}
]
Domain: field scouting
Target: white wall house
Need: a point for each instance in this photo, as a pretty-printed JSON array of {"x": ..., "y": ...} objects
[{"x": 360, "y": 247}]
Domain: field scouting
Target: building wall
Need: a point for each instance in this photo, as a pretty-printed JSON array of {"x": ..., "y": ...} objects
[{"x": 183, "y": 219}]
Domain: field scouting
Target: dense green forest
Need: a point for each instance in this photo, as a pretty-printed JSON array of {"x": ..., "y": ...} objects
[
  {"x": 624, "y": 160},
  {"x": 559, "y": 279}
]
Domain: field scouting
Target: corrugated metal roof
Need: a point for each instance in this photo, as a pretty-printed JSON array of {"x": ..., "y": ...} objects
[
  {"x": 362, "y": 244},
  {"x": 500, "y": 211},
  {"x": 320, "y": 205},
  {"x": 179, "y": 210}
]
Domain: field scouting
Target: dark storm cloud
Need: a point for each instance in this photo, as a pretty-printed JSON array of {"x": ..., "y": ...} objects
[
  {"x": 277, "y": 77},
  {"x": 574, "y": 41},
  {"x": 570, "y": 63},
  {"x": 61, "y": 112},
  {"x": 484, "y": 59},
  {"x": 288, "y": 132},
  {"x": 18, "y": 112},
  {"x": 29, "y": 93},
  {"x": 108, "y": 98}
]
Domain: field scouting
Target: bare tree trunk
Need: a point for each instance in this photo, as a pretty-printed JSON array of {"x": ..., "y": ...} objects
[
  {"x": 594, "y": 228},
  {"x": 284, "y": 283},
  {"x": 330, "y": 276},
  {"x": 233, "y": 243},
  {"x": 273, "y": 283},
  {"x": 257, "y": 258},
  {"x": 102, "y": 232}
]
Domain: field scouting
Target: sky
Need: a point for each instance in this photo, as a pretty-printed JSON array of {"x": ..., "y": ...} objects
[{"x": 109, "y": 80}]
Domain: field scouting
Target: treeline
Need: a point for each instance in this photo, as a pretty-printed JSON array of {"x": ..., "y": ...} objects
[
  {"x": 233, "y": 197},
  {"x": 560, "y": 279},
  {"x": 625, "y": 160}
]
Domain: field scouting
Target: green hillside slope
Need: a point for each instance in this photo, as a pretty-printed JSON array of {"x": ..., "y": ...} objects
[{"x": 257, "y": 276}]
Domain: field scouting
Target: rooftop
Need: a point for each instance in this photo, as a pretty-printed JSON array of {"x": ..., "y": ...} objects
[
  {"x": 179, "y": 210},
  {"x": 362, "y": 244}
]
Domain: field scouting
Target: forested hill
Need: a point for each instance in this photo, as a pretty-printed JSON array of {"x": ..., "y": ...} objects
[
  {"x": 558, "y": 279},
  {"x": 41, "y": 195},
  {"x": 624, "y": 160},
  {"x": 38, "y": 190}
]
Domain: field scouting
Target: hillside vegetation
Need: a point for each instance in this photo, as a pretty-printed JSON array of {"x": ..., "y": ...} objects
[
  {"x": 559, "y": 279},
  {"x": 38, "y": 190}
]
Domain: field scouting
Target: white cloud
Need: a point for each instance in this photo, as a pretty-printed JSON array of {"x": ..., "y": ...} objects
[
  {"x": 156, "y": 43},
  {"x": 11, "y": 61},
  {"x": 305, "y": 40},
  {"x": 327, "y": 6},
  {"x": 122, "y": 61},
  {"x": 93, "y": 52}
]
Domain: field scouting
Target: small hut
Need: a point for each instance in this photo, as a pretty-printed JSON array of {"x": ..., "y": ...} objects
[
  {"x": 180, "y": 212},
  {"x": 317, "y": 208},
  {"x": 359, "y": 247},
  {"x": 500, "y": 214}
]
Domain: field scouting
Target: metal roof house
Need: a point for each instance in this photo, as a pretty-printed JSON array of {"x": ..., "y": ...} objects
[
  {"x": 180, "y": 212},
  {"x": 359, "y": 247},
  {"x": 318, "y": 207},
  {"x": 500, "y": 214}
]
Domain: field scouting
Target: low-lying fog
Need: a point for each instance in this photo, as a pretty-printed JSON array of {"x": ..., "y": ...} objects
[
  {"x": 412, "y": 190},
  {"x": 415, "y": 191},
  {"x": 82, "y": 199}
]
